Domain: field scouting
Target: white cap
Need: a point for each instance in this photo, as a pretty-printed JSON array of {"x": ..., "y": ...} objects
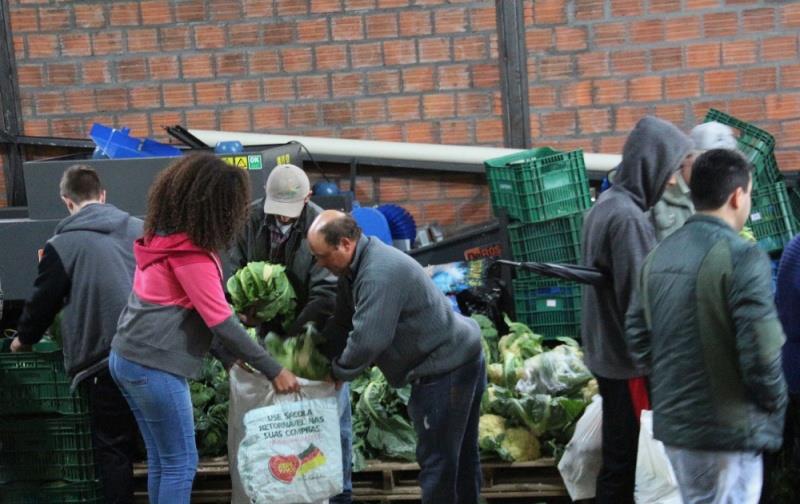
[
  {"x": 286, "y": 190},
  {"x": 713, "y": 135}
]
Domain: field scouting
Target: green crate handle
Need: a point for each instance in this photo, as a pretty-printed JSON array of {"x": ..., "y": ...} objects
[{"x": 518, "y": 157}]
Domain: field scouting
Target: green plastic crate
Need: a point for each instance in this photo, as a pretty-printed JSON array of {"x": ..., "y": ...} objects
[
  {"x": 35, "y": 383},
  {"x": 554, "y": 241},
  {"x": 46, "y": 449},
  {"x": 59, "y": 492},
  {"x": 756, "y": 144},
  {"x": 539, "y": 184},
  {"x": 771, "y": 217},
  {"x": 550, "y": 307}
]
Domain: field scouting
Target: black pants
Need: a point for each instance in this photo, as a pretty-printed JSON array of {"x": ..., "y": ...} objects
[
  {"x": 620, "y": 443},
  {"x": 115, "y": 436}
]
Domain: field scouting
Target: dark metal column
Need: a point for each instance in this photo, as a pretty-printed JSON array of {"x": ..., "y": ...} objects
[
  {"x": 9, "y": 106},
  {"x": 513, "y": 73}
]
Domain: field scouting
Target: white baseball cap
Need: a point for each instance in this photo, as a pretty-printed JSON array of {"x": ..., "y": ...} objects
[
  {"x": 286, "y": 190},
  {"x": 713, "y": 135}
]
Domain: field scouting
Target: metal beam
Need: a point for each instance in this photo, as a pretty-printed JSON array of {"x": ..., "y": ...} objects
[
  {"x": 9, "y": 105},
  {"x": 513, "y": 73}
]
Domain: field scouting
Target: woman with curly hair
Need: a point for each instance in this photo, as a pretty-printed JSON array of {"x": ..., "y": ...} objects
[{"x": 195, "y": 208}]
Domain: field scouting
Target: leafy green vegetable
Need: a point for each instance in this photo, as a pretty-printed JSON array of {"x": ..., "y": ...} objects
[
  {"x": 265, "y": 290},
  {"x": 210, "y": 394},
  {"x": 300, "y": 354}
]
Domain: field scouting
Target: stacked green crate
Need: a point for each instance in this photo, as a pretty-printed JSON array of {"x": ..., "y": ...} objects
[
  {"x": 773, "y": 219},
  {"x": 544, "y": 192},
  {"x": 46, "y": 452}
]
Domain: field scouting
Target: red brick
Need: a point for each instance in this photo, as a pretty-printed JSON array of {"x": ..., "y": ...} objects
[
  {"x": 542, "y": 96},
  {"x": 291, "y": 7},
  {"x": 791, "y": 16},
  {"x": 418, "y": 79},
  {"x": 666, "y": 58},
  {"x": 347, "y": 84},
  {"x": 312, "y": 30},
  {"x": 196, "y": 66},
  {"x": 50, "y": 103},
  {"x": 145, "y": 97},
  {"x": 434, "y": 49},
  {"x": 700, "y": 108},
  {"x": 758, "y": 79},
  {"x": 682, "y": 28},
  {"x": 469, "y": 48},
  {"x": 739, "y": 52},
  {"x": 175, "y": 38},
  {"x": 593, "y": 64},
  {"x": 387, "y": 132},
  {"x": 303, "y": 115},
  {"x": 193, "y": 10},
  {"x": 625, "y": 118},
  {"x": 609, "y": 34},
  {"x": 54, "y": 19},
  {"x": 483, "y": 19},
  {"x": 296, "y": 59},
  {"x": 576, "y": 94},
  {"x": 325, "y": 6},
  {"x": 331, "y": 57},
  {"x": 399, "y": 52},
  {"x": 645, "y": 89},
  {"x": 42, "y": 46},
  {"x": 421, "y": 132},
  {"x": 124, "y": 14},
  {"x": 629, "y": 62},
  {"x": 783, "y": 106},
  {"x": 132, "y": 69},
  {"x": 278, "y": 33},
  {"x": 244, "y": 34},
  {"x": 749, "y": 109},
  {"x": 78, "y": 44},
  {"x": 556, "y": 67},
  {"x": 268, "y": 117},
  {"x": 347, "y": 28},
  {"x": 383, "y": 82},
  {"x": 313, "y": 87},
  {"x": 70, "y": 127},
  {"x": 475, "y": 212},
  {"x": 163, "y": 67},
  {"x": 381, "y": 25},
  {"x": 404, "y": 108},
  {"x": 224, "y": 10},
  {"x": 570, "y": 39},
  {"x": 703, "y": 55},
  {"x": 96, "y": 72},
  {"x": 489, "y": 131},
  {"x": 337, "y": 114},
  {"x": 279, "y": 89},
  {"x": 682, "y": 86},
  {"x": 261, "y": 62},
  {"x": 791, "y": 134},
  {"x": 30, "y": 76},
  {"x": 245, "y": 91},
  {"x": 587, "y": 10},
  {"x": 89, "y": 15},
  {"x": 701, "y": 4},
  {"x": 756, "y": 20},
  {"x": 539, "y": 39},
  {"x": 612, "y": 144},
  {"x": 142, "y": 40},
  {"x": 422, "y": 188},
  {"x": 779, "y": 48},
  {"x": 107, "y": 43},
  {"x": 182, "y": 95},
  {"x": 370, "y": 110},
  {"x": 393, "y": 189},
  {"x": 115, "y": 99},
  {"x": 559, "y": 123},
  {"x": 453, "y": 77},
  {"x": 647, "y": 32},
  {"x": 664, "y": 6},
  {"x": 18, "y": 43},
  {"x": 674, "y": 113},
  {"x": 623, "y": 8},
  {"x": 549, "y": 11},
  {"x": 156, "y": 12},
  {"x": 366, "y": 55},
  {"x": 235, "y": 119},
  {"x": 472, "y": 103},
  {"x": 159, "y": 120},
  {"x": 593, "y": 121},
  {"x": 609, "y": 92},
  {"x": 716, "y": 82},
  {"x": 437, "y": 106},
  {"x": 450, "y": 21},
  {"x": 80, "y": 101},
  {"x": 352, "y": 5},
  {"x": 722, "y": 24},
  {"x": 138, "y": 123},
  {"x": 790, "y": 76},
  {"x": 787, "y": 160},
  {"x": 415, "y": 23},
  {"x": 62, "y": 74},
  {"x": 485, "y": 76}
]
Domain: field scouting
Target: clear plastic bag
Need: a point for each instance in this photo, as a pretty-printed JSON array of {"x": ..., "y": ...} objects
[
  {"x": 655, "y": 479},
  {"x": 582, "y": 459}
]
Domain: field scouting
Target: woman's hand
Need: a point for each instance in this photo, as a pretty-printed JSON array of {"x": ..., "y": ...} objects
[{"x": 286, "y": 382}]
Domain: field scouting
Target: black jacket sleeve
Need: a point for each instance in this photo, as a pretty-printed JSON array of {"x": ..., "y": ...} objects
[{"x": 49, "y": 293}]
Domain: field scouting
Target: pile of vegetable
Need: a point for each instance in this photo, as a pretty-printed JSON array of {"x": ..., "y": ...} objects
[
  {"x": 210, "y": 395},
  {"x": 263, "y": 290}
]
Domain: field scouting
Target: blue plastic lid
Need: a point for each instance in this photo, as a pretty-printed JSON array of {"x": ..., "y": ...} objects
[{"x": 373, "y": 223}]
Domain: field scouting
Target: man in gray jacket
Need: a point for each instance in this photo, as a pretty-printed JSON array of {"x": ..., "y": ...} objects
[
  {"x": 616, "y": 237},
  {"x": 87, "y": 269},
  {"x": 703, "y": 327},
  {"x": 393, "y": 315}
]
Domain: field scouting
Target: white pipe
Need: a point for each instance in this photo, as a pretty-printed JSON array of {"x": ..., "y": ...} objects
[{"x": 390, "y": 150}]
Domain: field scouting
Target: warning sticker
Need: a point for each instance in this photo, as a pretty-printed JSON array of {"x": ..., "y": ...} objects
[{"x": 249, "y": 162}]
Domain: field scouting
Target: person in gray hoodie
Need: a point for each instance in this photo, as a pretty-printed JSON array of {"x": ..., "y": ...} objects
[
  {"x": 617, "y": 235},
  {"x": 86, "y": 273}
]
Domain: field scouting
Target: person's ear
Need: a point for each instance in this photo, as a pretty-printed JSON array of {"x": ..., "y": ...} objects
[
  {"x": 308, "y": 197},
  {"x": 736, "y": 199},
  {"x": 68, "y": 203},
  {"x": 102, "y": 197}
]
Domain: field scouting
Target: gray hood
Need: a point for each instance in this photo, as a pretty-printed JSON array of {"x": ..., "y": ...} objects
[
  {"x": 96, "y": 217},
  {"x": 653, "y": 151}
]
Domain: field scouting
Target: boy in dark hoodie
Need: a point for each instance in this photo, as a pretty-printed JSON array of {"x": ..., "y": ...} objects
[
  {"x": 617, "y": 236},
  {"x": 86, "y": 269}
]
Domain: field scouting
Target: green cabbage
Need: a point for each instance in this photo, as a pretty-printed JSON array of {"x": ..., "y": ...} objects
[{"x": 265, "y": 290}]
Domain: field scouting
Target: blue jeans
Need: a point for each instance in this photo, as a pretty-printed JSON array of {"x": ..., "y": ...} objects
[
  {"x": 445, "y": 410},
  {"x": 161, "y": 403},
  {"x": 346, "y": 427}
]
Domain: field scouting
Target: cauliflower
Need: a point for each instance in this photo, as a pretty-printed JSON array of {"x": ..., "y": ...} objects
[
  {"x": 495, "y": 373},
  {"x": 590, "y": 390},
  {"x": 521, "y": 445}
]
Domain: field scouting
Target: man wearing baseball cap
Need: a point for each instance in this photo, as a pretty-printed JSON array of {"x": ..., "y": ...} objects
[{"x": 276, "y": 232}]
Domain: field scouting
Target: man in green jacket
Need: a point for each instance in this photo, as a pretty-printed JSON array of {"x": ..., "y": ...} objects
[{"x": 703, "y": 327}]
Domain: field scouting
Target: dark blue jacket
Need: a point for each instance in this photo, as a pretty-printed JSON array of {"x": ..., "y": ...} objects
[{"x": 787, "y": 299}]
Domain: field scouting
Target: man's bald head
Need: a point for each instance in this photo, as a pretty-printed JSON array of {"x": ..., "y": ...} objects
[{"x": 333, "y": 238}]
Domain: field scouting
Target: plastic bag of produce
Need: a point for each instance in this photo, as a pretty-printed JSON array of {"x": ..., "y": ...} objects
[
  {"x": 282, "y": 448},
  {"x": 582, "y": 459},
  {"x": 557, "y": 371},
  {"x": 655, "y": 479}
]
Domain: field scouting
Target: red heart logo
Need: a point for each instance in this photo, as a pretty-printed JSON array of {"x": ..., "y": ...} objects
[{"x": 284, "y": 467}]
